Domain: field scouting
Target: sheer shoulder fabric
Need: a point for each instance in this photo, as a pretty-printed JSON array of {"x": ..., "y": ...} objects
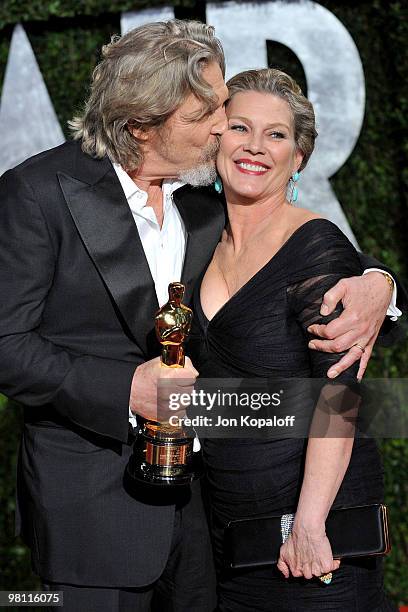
[{"x": 324, "y": 256}]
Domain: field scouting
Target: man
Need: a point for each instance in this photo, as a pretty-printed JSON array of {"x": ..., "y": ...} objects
[{"x": 92, "y": 233}]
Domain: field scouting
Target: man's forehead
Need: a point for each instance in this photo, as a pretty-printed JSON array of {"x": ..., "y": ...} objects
[
  {"x": 213, "y": 75},
  {"x": 192, "y": 104},
  {"x": 223, "y": 93}
]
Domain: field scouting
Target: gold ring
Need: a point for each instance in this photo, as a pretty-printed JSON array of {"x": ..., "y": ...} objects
[
  {"x": 360, "y": 347},
  {"x": 326, "y": 578}
]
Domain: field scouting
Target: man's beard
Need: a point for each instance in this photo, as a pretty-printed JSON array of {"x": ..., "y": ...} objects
[{"x": 204, "y": 173}]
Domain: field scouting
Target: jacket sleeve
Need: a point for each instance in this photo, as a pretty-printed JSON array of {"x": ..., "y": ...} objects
[{"x": 91, "y": 392}]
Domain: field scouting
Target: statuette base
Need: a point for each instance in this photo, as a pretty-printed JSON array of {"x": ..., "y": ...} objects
[{"x": 162, "y": 455}]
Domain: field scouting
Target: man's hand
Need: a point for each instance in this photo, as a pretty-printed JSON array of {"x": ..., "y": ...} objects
[
  {"x": 150, "y": 399},
  {"x": 365, "y": 300}
]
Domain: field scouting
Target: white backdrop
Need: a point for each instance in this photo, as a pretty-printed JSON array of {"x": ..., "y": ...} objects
[{"x": 330, "y": 59}]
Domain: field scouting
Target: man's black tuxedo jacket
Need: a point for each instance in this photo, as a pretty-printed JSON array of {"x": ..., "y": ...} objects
[{"x": 76, "y": 318}]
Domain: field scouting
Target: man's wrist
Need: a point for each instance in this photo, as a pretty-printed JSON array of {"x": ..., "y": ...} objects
[
  {"x": 389, "y": 280},
  {"x": 132, "y": 415},
  {"x": 393, "y": 311}
]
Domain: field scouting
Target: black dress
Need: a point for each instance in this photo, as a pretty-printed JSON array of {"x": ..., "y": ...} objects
[{"x": 261, "y": 332}]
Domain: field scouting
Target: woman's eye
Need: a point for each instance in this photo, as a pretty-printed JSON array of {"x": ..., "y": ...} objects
[
  {"x": 238, "y": 128},
  {"x": 277, "y": 135}
]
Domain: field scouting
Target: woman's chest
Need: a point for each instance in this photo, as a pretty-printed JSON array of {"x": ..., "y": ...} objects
[{"x": 229, "y": 274}]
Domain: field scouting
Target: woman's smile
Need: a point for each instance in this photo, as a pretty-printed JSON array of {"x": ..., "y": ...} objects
[{"x": 248, "y": 166}]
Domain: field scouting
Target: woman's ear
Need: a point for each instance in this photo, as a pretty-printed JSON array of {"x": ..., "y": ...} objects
[{"x": 299, "y": 155}]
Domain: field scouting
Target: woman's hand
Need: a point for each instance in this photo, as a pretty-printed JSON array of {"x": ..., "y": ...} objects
[{"x": 307, "y": 553}]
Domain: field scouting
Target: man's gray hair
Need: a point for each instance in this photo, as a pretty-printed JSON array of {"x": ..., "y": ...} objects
[
  {"x": 143, "y": 78},
  {"x": 278, "y": 83}
]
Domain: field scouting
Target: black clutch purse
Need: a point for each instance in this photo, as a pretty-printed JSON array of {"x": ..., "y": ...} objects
[{"x": 352, "y": 532}]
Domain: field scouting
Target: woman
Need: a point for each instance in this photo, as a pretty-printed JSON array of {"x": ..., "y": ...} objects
[{"x": 257, "y": 298}]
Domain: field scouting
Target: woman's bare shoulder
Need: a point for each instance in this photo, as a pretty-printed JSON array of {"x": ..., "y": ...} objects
[{"x": 298, "y": 217}]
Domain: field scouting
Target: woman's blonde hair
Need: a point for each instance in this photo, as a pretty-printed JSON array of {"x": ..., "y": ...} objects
[
  {"x": 143, "y": 78},
  {"x": 278, "y": 83}
]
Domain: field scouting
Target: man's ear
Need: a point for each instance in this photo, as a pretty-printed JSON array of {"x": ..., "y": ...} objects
[{"x": 139, "y": 133}]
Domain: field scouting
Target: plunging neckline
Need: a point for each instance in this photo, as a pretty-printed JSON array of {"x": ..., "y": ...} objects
[{"x": 255, "y": 275}]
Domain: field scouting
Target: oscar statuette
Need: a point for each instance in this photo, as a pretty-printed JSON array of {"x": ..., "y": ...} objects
[{"x": 163, "y": 453}]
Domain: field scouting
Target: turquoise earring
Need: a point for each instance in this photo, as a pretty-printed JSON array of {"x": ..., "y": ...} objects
[
  {"x": 295, "y": 192},
  {"x": 218, "y": 185}
]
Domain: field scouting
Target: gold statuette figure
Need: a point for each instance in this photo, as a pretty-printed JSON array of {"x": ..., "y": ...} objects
[
  {"x": 173, "y": 323},
  {"x": 163, "y": 453}
]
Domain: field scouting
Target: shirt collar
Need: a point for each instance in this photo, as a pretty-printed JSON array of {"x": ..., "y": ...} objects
[{"x": 137, "y": 196}]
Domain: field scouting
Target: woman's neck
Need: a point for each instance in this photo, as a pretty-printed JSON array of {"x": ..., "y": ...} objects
[{"x": 249, "y": 221}]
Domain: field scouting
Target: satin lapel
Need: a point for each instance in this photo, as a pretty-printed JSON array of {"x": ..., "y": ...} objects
[
  {"x": 204, "y": 220},
  {"x": 105, "y": 223}
]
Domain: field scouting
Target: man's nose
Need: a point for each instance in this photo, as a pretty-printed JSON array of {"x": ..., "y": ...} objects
[{"x": 221, "y": 123}]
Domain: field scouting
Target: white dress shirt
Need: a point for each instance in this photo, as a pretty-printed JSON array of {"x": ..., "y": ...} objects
[{"x": 164, "y": 246}]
